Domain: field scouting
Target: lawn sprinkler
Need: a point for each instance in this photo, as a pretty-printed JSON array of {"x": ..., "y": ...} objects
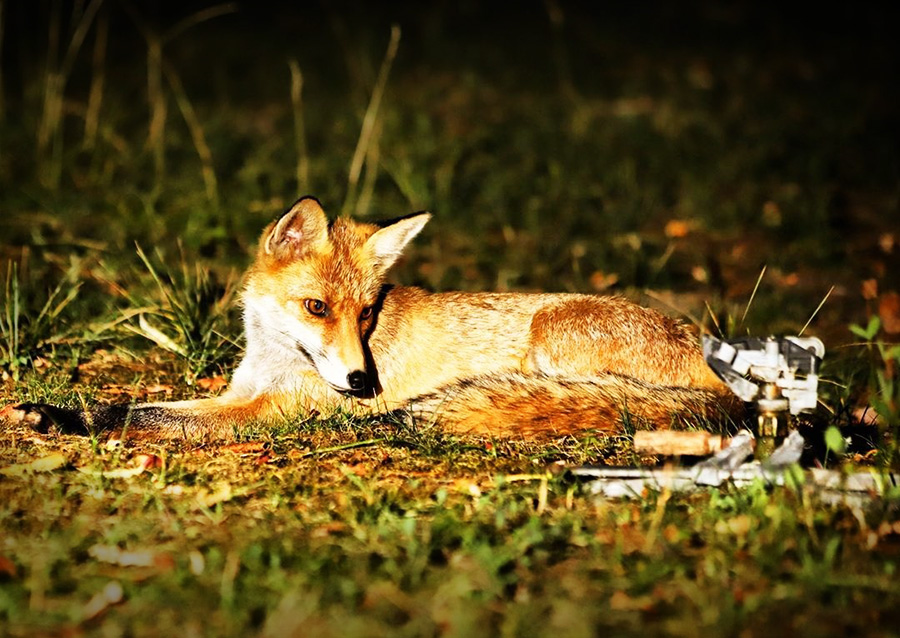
[{"x": 778, "y": 375}]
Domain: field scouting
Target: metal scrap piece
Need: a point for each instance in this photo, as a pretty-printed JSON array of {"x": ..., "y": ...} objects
[{"x": 727, "y": 466}]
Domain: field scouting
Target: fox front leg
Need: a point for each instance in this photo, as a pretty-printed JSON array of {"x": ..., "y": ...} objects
[{"x": 204, "y": 419}]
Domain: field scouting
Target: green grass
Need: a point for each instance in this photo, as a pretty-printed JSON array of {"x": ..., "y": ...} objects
[{"x": 554, "y": 154}]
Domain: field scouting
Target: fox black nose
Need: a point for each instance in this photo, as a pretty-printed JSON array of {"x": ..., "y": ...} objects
[{"x": 357, "y": 380}]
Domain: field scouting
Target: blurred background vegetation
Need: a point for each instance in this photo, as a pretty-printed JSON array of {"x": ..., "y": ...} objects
[{"x": 562, "y": 146}]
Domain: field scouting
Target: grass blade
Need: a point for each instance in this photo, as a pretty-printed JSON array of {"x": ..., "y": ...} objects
[
  {"x": 816, "y": 311},
  {"x": 762, "y": 273}
]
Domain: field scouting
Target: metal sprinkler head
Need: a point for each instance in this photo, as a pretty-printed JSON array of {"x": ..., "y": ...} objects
[{"x": 778, "y": 375}]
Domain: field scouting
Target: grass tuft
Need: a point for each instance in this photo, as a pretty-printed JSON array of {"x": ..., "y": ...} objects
[
  {"x": 28, "y": 331},
  {"x": 196, "y": 315}
]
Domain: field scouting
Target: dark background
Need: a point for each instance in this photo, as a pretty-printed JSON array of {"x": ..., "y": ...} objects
[{"x": 555, "y": 142}]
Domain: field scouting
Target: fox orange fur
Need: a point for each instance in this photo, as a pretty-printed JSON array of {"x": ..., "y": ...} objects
[{"x": 324, "y": 331}]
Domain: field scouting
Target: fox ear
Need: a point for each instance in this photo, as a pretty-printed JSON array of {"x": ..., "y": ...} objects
[
  {"x": 388, "y": 243},
  {"x": 299, "y": 231}
]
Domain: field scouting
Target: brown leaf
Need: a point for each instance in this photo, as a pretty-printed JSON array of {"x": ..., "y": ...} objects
[
  {"x": 7, "y": 567},
  {"x": 148, "y": 461},
  {"x": 600, "y": 281},
  {"x": 790, "y": 279},
  {"x": 633, "y": 539},
  {"x": 334, "y": 527},
  {"x": 889, "y": 311},
  {"x": 212, "y": 384},
  {"x": 158, "y": 388},
  {"x": 869, "y": 289},
  {"x": 142, "y": 463},
  {"x": 677, "y": 228},
  {"x": 867, "y": 416},
  {"x": 620, "y": 601},
  {"x": 246, "y": 448},
  {"x": 672, "y": 533}
]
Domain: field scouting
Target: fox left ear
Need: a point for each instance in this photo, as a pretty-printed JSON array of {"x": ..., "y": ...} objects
[
  {"x": 388, "y": 243},
  {"x": 300, "y": 230}
]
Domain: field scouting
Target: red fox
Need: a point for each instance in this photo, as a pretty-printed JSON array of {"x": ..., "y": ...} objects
[{"x": 324, "y": 331}]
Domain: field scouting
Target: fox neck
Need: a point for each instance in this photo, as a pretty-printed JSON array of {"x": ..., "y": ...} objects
[{"x": 271, "y": 358}]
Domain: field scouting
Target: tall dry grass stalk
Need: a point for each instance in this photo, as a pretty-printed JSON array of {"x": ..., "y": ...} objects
[
  {"x": 56, "y": 76},
  {"x": 156, "y": 98},
  {"x": 369, "y": 120},
  {"x": 373, "y": 156},
  {"x": 50, "y": 112},
  {"x": 98, "y": 79},
  {"x": 196, "y": 130},
  {"x": 157, "y": 69},
  {"x": 299, "y": 128}
]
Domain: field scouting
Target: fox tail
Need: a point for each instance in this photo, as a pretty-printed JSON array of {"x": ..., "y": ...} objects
[{"x": 540, "y": 406}]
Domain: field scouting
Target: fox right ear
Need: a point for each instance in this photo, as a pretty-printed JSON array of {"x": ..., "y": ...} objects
[
  {"x": 388, "y": 243},
  {"x": 299, "y": 231}
]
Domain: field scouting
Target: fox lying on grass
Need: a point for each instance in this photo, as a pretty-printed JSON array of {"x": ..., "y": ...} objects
[{"x": 323, "y": 331}]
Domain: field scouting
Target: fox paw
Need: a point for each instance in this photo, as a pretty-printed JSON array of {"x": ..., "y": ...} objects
[{"x": 39, "y": 416}]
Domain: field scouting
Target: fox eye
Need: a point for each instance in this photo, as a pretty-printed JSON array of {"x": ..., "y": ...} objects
[
  {"x": 365, "y": 313},
  {"x": 316, "y": 307}
]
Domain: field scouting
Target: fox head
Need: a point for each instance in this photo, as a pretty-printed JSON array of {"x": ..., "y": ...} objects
[{"x": 314, "y": 287}]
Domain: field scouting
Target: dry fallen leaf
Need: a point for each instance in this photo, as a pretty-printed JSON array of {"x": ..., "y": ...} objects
[
  {"x": 44, "y": 464},
  {"x": 124, "y": 472},
  {"x": 212, "y": 384},
  {"x": 248, "y": 447},
  {"x": 7, "y": 567},
  {"x": 869, "y": 289},
  {"x": 737, "y": 525},
  {"x": 867, "y": 416},
  {"x": 222, "y": 493},
  {"x": 601, "y": 281},
  {"x": 699, "y": 273},
  {"x": 143, "y": 462},
  {"x": 158, "y": 388},
  {"x": 889, "y": 311},
  {"x": 148, "y": 461},
  {"x": 334, "y": 527},
  {"x": 677, "y": 228},
  {"x": 110, "y": 595},
  {"x": 135, "y": 558},
  {"x": 620, "y": 601}
]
